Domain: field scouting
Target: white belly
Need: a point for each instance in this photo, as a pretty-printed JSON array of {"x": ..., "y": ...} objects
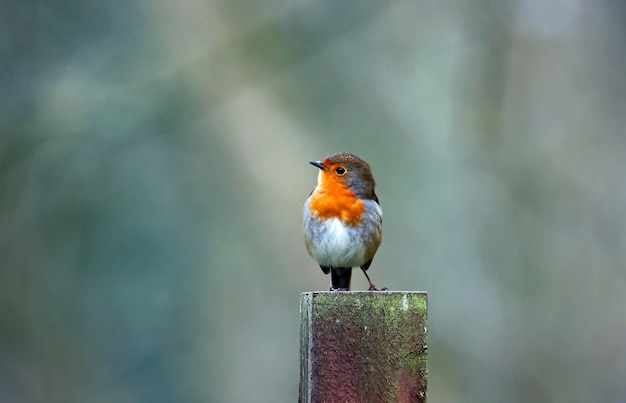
[{"x": 337, "y": 245}]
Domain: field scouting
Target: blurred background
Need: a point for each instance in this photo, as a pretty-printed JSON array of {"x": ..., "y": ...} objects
[{"x": 153, "y": 166}]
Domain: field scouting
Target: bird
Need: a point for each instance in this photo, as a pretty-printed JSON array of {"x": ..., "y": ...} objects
[{"x": 342, "y": 219}]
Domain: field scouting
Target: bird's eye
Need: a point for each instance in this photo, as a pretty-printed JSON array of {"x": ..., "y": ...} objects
[{"x": 340, "y": 171}]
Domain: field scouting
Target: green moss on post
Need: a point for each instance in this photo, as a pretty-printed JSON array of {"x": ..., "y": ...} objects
[{"x": 362, "y": 346}]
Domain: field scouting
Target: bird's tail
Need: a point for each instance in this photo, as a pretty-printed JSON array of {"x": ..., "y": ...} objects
[{"x": 340, "y": 278}]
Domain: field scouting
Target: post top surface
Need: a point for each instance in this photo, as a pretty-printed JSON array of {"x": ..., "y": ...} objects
[{"x": 364, "y": 292}]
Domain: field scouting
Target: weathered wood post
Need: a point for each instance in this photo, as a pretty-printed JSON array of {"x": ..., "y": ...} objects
[{"x": 363, "y": 346}]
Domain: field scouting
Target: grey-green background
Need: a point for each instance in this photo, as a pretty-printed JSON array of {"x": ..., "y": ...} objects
[{"x": 153, "y": 165}]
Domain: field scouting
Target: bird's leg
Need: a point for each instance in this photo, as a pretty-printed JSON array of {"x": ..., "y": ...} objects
[
  {"x": 333, "y": 288},
  {"x": 372, "y": 286},
  {"x": 340, "y": 278}
]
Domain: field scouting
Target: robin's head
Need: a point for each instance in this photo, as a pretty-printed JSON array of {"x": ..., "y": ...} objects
[{"x": 349, "y": 171}]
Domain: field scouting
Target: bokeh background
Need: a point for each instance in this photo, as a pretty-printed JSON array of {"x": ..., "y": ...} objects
[{"x": 153, "y": 165}]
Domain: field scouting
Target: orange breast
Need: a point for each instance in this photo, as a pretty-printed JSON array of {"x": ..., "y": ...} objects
[{"x": 332, "y": 199}]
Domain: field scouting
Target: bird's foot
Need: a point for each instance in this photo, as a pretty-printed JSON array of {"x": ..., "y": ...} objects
[
  {"x": 338, "y": 289},
  {"x": 373, "y": 288}
]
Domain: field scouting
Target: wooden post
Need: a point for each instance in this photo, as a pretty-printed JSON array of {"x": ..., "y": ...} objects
[{"x": 363, "y": 346}]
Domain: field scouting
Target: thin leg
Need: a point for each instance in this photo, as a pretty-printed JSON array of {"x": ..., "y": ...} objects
[{"x": 372, "y": 286}]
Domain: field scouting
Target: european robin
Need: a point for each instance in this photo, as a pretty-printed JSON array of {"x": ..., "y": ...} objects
[{"x": 342, "y": 219}]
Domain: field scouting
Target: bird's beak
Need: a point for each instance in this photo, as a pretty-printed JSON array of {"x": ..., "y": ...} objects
[{"x": 318, "y": 164}]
